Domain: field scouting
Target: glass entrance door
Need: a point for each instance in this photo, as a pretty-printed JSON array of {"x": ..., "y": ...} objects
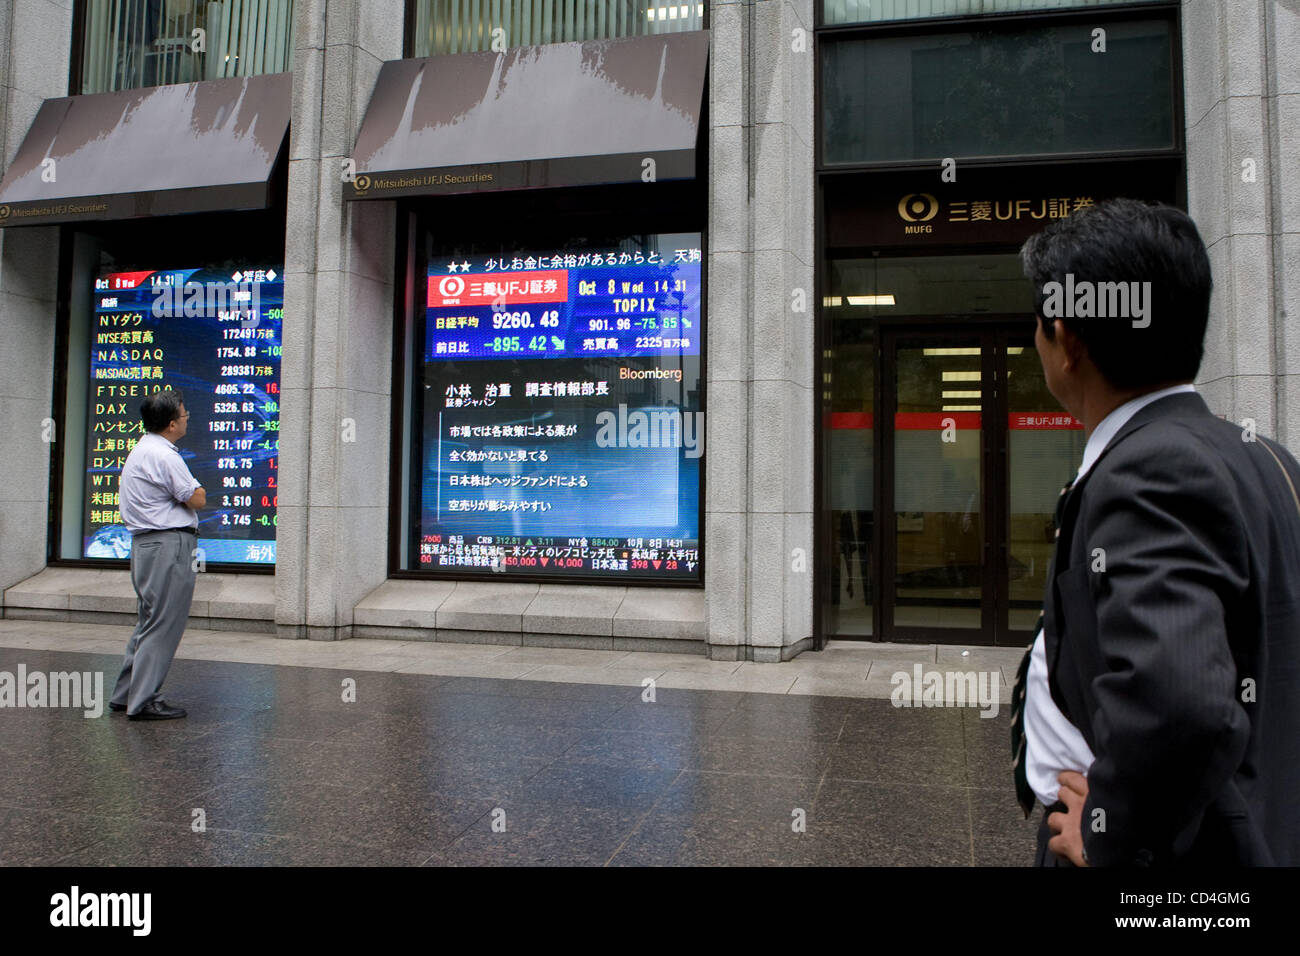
[
  {"x": 974, "y": 451},
  {"x": 938, "y": 389}
]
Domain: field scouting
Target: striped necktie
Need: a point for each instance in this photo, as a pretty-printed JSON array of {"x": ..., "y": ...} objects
[{"x": 1025, "y": 793}]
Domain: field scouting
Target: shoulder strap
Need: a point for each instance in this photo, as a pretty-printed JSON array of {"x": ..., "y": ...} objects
[{"x": 1285, "y": 474}]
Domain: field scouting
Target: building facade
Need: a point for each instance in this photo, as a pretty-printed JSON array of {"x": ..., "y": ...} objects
[{"x": 783, "y": 233}]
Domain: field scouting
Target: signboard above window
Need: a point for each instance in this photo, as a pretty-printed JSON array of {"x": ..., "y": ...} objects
[{"x": 988, "y": 206}]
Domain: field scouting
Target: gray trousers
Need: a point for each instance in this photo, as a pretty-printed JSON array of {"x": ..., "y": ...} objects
[{"x": 162, "y": 572}]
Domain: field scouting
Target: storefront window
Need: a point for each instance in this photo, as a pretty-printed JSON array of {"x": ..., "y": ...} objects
[
  {"x": 1004, "y": 92},
  {"x": 468, "y": 26},
  {"x": 557, "y": 411},
  {"x": 126, "y": 44},
  {"x": 142, "y": 319},
  {"x": 835, "y": 12}
]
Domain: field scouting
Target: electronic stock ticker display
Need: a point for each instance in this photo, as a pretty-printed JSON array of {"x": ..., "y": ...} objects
[
  {"x": 563, "y": 427},
  {"x": 214, "y": 335}
]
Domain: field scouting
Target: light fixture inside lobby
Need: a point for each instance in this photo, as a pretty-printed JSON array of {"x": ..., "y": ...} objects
[{"x": 1011, "y": 350}]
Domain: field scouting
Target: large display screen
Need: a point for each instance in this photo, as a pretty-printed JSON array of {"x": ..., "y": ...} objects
[
  {"x": 563, "y": 421},
  {"x": 213, "y": 335}
]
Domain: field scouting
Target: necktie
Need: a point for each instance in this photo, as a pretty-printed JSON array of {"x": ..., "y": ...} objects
[{"x": 1025, "y": 793}]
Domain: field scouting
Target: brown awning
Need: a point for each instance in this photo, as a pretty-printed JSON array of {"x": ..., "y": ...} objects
[
  {"x": 157, "y": 151},
  {"x": 562, "y": 114}
]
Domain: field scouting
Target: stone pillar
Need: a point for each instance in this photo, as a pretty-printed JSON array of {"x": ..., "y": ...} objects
[
  {"x": 336, "y": 371},
  {"x": 726, "y": 480},
  {"x": 761, "y": 313},
  {"x": 1241, "y": 64},
  {"x": 33, "y": 66}
]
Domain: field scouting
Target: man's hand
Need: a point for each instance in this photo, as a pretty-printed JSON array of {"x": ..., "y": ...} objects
[
  {"x": 1068, "y": 827},
  {"x": 199, "y": 499}
]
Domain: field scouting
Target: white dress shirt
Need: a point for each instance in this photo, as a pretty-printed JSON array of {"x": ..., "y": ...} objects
[
  {"x": 153, "y": 486},
  {"x": 1052, "y": 743}
]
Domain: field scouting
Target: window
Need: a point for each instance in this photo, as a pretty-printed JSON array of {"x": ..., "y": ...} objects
[
  {"x": 467, "y": 26},
  {"x": 195, "y": 304},
  {"x": 554, "y": 408},
  {"x": 836, "y": 12},
  {"x": 999, "y": 92},
  {"x": 126, "y": 44}
]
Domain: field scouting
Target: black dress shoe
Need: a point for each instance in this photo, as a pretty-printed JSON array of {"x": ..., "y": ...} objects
[
  {"x": 116, "y": 707},
  {"x": 158, "y": 710}
]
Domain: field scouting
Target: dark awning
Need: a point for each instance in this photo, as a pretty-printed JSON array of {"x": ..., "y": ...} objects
[
  {"x": 562, "y": 114},
  {"x": 157, "y": 151}
]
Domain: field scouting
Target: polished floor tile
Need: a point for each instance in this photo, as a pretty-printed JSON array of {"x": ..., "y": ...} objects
[{"x": 295, "y": 765}]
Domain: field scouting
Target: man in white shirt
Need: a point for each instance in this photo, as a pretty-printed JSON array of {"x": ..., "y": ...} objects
[{"x": 158, "y": 499}]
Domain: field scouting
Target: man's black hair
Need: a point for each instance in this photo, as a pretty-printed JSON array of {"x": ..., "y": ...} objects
[
  {"x": 1127, "y": 240},
  {"x": 161, "y": 409}
]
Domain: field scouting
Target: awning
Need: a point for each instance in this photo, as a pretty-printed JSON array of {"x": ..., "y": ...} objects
[
  {"x": 157, "y": 151},
  {"x": 562, "y": 114}
]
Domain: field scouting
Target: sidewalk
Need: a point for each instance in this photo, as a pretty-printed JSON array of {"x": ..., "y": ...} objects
[
  {"x": 843, "y": 669},
  {"x": 732, "y": 763}
]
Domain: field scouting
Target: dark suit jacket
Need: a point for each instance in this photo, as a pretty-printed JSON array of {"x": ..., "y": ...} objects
[{"x": 1180, "y": 661}]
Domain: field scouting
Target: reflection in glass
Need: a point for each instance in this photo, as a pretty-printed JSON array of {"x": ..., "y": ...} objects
[
  {"x": 1005, "y": 92},
  {"x": 875, "y": 11},
  {"x": 127, "y": 44},
  {"x": 1045, "y": 447},
  {"x": 939, "y": 573},
  {"x": 849, "y": 486},
  {"x": 467, "y": 26}
]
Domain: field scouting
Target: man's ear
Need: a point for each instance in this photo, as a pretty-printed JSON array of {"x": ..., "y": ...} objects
[{"x": 1070, "y": 343}]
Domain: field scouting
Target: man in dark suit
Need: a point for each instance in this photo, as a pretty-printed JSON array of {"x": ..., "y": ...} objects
[{"x": 1157, "y": 714}]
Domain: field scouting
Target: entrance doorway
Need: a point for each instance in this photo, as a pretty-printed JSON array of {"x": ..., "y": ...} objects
[
  {"x": 974, "y": 451},
  {"x": 966, "y": 461}
]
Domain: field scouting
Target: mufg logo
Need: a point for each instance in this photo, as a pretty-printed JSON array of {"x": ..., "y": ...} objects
[{"x": 917, "y": 209}]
